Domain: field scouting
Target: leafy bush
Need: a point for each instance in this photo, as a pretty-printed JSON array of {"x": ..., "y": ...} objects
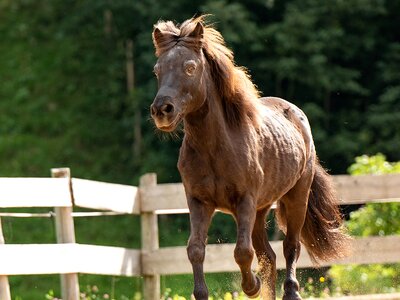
[
  {"x": 366, "y": 279},
  {"x": 371, "y": 220},
  {"x": 375, "y": 164}
]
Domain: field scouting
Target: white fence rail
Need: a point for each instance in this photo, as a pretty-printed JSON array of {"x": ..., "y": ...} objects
[{"x": 149, "y": 200}]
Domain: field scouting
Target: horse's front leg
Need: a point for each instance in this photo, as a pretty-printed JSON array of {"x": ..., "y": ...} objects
[
  {"x": 245, "y": 217},
  {"x": 200, "y": 218}
]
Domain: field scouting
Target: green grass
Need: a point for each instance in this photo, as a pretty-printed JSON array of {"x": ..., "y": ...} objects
[{"x": 33, "y": 287}]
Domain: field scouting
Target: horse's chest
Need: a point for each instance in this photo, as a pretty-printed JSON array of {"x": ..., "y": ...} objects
[{"x": 215, "y": 179}]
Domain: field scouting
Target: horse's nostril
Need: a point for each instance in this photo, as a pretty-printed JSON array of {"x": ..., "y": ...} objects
[
  {"x": 153, "y": 110},
  {"x": 168, "y": 108},
  {"x": 161, "y": 107}
]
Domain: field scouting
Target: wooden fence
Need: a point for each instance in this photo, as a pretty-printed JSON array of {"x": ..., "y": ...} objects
[{"x": 150, "y": 199}]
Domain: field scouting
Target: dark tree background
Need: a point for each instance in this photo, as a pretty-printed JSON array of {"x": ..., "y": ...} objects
[
  {"x": 63, "y": 81},
  {"x": 66, "y": 98}
]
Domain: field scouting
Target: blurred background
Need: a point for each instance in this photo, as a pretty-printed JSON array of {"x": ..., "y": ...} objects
[{"x": 76, "y": 84}]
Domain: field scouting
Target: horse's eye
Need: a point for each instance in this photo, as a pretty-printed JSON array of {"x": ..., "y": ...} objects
[
  {"x": 190, "y": 67},
  {"x": 156, "y": 69}
]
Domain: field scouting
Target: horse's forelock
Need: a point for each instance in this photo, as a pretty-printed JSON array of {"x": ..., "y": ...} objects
[
  {"x": 165, "y": 35},
  {"x": 171, "y": 35}
]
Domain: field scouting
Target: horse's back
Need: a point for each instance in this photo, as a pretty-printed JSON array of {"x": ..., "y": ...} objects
[
  {"x": 288, "y": 109},
  {"x": 294, "y": 115}
]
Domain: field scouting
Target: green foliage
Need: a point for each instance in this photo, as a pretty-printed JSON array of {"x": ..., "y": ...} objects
[
  {"x": 376, "y": 164},
  {"x": 64, "y": 100},
  {"x": 319, "y": 289},
  {"x": 94, "y": 293},
  {"x": 223, "y": 296},
  {"x": 374, "y": 219},
  {"x": 366, "y": 279},
  {"x": 384, "y": 116},
  {"x": 63, "y": 90}
]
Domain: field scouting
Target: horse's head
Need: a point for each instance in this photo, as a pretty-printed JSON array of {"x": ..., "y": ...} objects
[{"x": 179, "y": 72}]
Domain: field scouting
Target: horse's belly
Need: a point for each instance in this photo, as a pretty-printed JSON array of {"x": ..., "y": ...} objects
[{"x": 283, "y": 165}]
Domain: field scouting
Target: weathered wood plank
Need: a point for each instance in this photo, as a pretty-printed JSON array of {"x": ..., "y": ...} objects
[
  {"x": 167, "y": 196},
  {"x": 34, "y": 192},
  {"x": 76, "y": 258},
  {"x": 66, "y": 234},
  {"x": 367, "y": 188},
  {"x": 171, "y": 198},
  {"x": 371, "y": 250},
  {"x": 219, "y": 258},
  {"x": 150, "y": 239},
  {"x": 106, "y": 196},
  {"x": 35, "y": 259},
  {"x": 173, "y": 260},
  {"x": 5, "y": 293},
  {"x": 105, "y": 260},
  {"x": 54, "y": 192}
]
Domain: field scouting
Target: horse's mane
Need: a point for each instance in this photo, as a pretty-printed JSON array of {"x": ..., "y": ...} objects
[{"x": 238, "y": 93}]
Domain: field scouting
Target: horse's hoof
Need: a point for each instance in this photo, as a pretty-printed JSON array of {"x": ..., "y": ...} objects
[
  {"x": 254, "y": 293},
  {"x": 291, "y": 296}
]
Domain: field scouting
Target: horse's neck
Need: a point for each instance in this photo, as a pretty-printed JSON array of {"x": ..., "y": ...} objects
[{"x": 206, "y": 128}]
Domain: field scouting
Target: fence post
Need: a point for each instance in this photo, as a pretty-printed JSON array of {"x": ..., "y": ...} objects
[
  {"x": 149, "y": 227},
  {"x": 4, "y": 285},
  {"x": 66, "y": 234}
]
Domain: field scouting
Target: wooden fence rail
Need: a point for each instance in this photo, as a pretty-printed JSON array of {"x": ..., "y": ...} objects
[{"x": 149, "y": 200}]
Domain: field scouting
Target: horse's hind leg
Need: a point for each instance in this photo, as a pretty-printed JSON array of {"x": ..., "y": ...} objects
[
  {"x": 266, "y": 257},
  {"x": 245, "y": 217},
  {"x": 200, "y": 218},
  {"x": 294, "y": 204}
]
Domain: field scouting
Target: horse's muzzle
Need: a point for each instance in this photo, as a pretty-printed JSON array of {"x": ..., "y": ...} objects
[
  {"x": 162, "y": 107},
  {"x": 164, "y": 113}
]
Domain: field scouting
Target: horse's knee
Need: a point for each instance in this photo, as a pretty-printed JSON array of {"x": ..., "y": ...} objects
[
  {"x": 291, "y": 249},
  {"x": 243, "y": 254},
  {"x": 196, "y": 252}
]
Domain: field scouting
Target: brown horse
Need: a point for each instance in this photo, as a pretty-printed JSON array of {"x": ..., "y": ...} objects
[{"x": 240, "y": 154}]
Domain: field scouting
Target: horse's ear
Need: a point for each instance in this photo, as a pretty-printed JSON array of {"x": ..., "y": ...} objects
[
  {"x": 162, "y": 39},
  {"x": 157, "y": 36},
  {"x": 198, "y": 31}
]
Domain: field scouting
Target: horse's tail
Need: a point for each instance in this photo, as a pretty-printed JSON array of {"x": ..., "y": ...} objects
[{"x": 323, "y": 233}]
